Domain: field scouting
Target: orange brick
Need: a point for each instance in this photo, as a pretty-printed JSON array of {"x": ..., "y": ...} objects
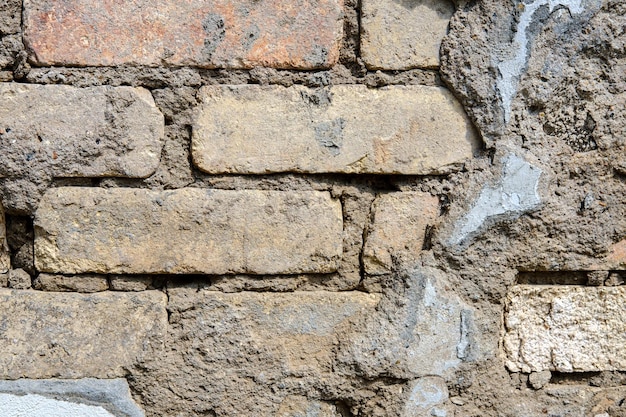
[{"x": 299, "y": 34}]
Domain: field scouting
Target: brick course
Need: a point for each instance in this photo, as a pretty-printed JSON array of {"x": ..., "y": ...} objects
[
  {"x": 192, "y": 230},
  {"x": 344, "y": 129},
  {"x": 218, "y": 34}
]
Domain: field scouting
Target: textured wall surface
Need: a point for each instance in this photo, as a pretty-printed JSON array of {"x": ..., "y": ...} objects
[{"x": 313, "y": 208}]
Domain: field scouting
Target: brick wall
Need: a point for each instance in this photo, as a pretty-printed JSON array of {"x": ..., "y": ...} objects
[{"x": 312, "y": 208}]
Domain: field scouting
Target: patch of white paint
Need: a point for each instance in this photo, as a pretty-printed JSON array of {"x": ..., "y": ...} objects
[
  {"x": 511, "y": 69},
  {"x": 514, "y": 194},
  {"x": 426, "y": 394},
  {"x": 36, "y": 405}
]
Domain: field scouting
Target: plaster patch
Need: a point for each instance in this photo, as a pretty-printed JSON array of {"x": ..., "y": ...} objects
[
  {"x": 515, "y": 194},
  {"x": 426, "y": 394},
  {"x": 35, "y": 405},
  {"x": 88, "y": 397},
  {"x": 511, "y": 69}
]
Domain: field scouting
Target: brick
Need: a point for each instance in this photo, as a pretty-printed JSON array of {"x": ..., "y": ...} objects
[
  {"x": 79, "y": 132},
  {"x": 400, "y": 35},
  {"x": 565, "y": 329},
  {"x": 192, "y": 230},
  {"x": 5, "y": 260},
  {"x": 345, "y": 129},
  {"x": 70, "y": 335},
  {"x": 398, "y": 230},
  {"x": 75, "y": 283},
  {"x": 299, "y": 34},
  {"x": 250, "y": 343},
  {"x": 617, "y": 255}
]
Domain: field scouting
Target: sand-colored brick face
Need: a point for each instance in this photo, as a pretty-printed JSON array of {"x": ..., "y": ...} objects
[
  {"x": 344, "y": 129},
  {"x": 217, "y": 34},
  {"x": 403, "y": 34},
  {"x": 401, "y": 223},
  {"x": 66, "y": 335},
  {"x": 192, "y": 230},
  {"x": 565, "y": 329},
  {"x": 65, "y": 131}
]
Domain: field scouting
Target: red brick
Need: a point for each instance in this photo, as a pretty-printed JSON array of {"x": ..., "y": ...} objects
[{"x": 299, "y": 34}]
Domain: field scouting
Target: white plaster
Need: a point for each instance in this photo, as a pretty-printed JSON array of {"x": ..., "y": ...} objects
[
  {"x": 426, "y": 393},
  {"x": 36, "y": 405},
  {"x": 511, "y": 69},
  {"x": 514, "y": 194}
]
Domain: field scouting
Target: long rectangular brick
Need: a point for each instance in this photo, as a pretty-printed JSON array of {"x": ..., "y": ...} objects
[
  {"x": 299, "y": 34},
  {"x": 79, "y": 132},
  {"x": 344, "y": 129},
  {"x": 70, "y": 335},
  {"x": 565, "y": 328},
  {"x": 192, "y": 230}
]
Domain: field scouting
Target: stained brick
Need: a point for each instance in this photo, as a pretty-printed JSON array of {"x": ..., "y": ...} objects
[
  {"x": 398, "y": 35},
  {"x": 193, "y": 230},
  {"x": 72, "y": 335},
  {"x": 399, "y": 229},
  {"x": 565, "y": 328},
  {"x": 78, "y": 132},
  {"x": 344, "y": 129},
  {"x": 298, "y": 34}
]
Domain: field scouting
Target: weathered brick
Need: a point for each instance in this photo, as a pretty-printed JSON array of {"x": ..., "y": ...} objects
[
  {"x": 79, "y": 132},
  {"x": 250, "y": 343},
  {"x": 72, "y": 335},
  {"x": 75, "y": 283},
  {"x": 398, "y": 231},
  {"x": 399, "y": 35},
  {"x": 190, "y": 230},
  {"x": 345, "y": 129},
  {"x": 565, "y": 328},
  {"x": 299, "y": 34},
  {"x": 5, "y": 260}
]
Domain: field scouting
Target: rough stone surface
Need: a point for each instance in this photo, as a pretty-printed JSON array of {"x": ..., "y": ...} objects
[
  {"x": 224, "y": 33},
  {"x": 431, "y": 333},
  {"x": 265, "y": 347},
  {"x": 71, "y": 335},
  {"x": 63, "y": 397},
  {"x": 77, "y": 283},
  {"x": 10, "y": 16},
  {"x": 345, "y": 129},
  {"x": 19, "y": 279},
  {"x": 192, "y": 230},
  {"x": 5, "y": 259},
  {"x": 565, "y": 329},
  {"x": 404, "y": 34},
  {"x": 300, "y": 406},
  {"x": 398, "y": 230},
  {"x": 131, "y": 283},
  {"x": 63, "y": 131}
]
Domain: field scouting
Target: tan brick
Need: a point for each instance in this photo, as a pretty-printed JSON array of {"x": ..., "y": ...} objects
[
  {"x": 74, "y": 283},
  {"x": 79, "y": 132},
  {"x": 192, "y": 230},
  {"x": 403, "y": 34},
  {"x": 565, "y": 328},
  {"x": 298, "y": 34},
  {"x": 346, "y": 129},
  {"x": 398, "y": 230},
  {"x": 5, "y": 260},
  {"x": 72, "y": 335}
]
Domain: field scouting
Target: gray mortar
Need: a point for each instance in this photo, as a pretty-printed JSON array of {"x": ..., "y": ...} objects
[{"x": 111, "y": 394}]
